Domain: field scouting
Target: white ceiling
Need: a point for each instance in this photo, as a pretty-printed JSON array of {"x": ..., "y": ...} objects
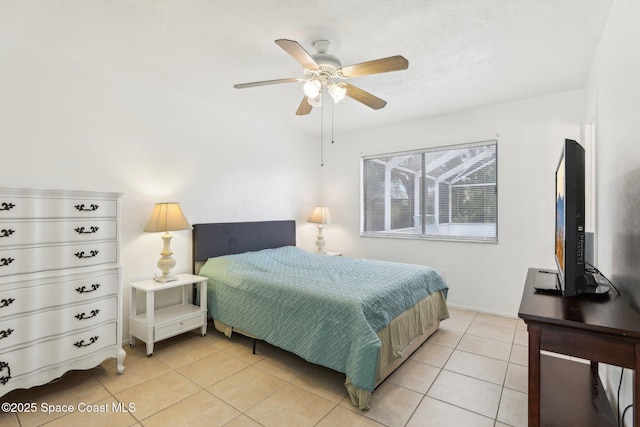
[{"x": 462, "y": 53}]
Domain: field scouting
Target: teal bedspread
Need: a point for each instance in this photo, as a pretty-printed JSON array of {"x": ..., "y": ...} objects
[{"x": 326, "y": 309}]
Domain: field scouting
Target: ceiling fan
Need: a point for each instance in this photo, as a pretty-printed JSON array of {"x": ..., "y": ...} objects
[{"x": 324, "y": 70}]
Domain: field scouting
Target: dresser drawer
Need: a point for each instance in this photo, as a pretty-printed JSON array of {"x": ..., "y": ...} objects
[
  {"x": 19, "y": 330},
  {"x": 25, "y": 360},
  {"x": 20, "y": 233},
  {"x": 25, "y": 260},
  {"x": 36, "y": 207},
  {"x": 25, "y": 297}
]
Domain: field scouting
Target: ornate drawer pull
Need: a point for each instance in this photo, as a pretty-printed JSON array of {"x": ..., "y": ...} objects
[
  {"x": 83, "y": 316},
  {"x": 6, "y": 302},
  {"x": 6, "y": 232},
  {"x": 6, "y": 261},
  {"x": 81, "y": 343},
  {"x": 82, "y": 255},
  {"x": 81, "y": 230},
  {"x": 6, "y": 206},
  {"x": 5, "y": 366},
  {"x": 91, "y": 208},
  {"x": 6, "y": 333},
  {"x": 83, "y": 289}
]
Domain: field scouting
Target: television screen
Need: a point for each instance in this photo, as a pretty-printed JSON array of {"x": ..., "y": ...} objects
[{"x": 560, "y": 215}]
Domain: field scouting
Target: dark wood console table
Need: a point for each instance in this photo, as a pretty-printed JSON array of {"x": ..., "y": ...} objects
[{"x": 600, "y": 329}]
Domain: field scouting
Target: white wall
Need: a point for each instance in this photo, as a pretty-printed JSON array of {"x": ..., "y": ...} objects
[
  {"x": 69, "y": 125},
  {"x": 613, "y": 104},
  {"x": 488, "y": 277}
]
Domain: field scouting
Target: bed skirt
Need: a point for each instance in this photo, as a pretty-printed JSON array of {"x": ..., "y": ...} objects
[{"x": 404, "y": 335}]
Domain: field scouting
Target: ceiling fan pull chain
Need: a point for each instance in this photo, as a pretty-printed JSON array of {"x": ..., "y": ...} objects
[
  {"x": 322, "y": 130},
  {"x": 332, "y": 121}
]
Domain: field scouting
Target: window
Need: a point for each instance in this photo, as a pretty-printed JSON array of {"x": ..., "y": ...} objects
[{"x": 448, "y": 193}]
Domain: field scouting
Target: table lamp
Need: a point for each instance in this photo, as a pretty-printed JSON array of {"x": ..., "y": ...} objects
[
  {"x": 320, "y": 216},
  {"x": 166, "y": 217}
]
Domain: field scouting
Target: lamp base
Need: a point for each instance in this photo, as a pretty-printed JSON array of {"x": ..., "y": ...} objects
[
  {"x": 320, "y": 241},
  {"x": 166, "y": 261},
  {"x": 164, "y": 279}
]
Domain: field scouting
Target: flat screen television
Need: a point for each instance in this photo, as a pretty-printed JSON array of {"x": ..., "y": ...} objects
[
  {"x": 570, "y": 212},
  {"x": 570, "y": 224}
]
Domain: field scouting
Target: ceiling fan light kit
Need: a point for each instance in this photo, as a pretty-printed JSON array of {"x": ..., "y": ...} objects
[{"x": 325, "y": 71}]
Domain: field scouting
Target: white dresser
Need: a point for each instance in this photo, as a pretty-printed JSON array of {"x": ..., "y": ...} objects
[{"x": 60, "y": 284}]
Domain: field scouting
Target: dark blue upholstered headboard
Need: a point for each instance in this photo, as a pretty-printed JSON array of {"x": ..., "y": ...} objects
[{"x": 217, "y": 239}]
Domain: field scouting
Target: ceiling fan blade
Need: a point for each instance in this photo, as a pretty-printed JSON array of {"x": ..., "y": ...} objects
[
  {"x": 267, "y": 82},
  {"x": 364, "y": 97},
  {"x": 298, "y": 53},
  {"x": 304, "y": 108},
  {"x": 377, "y": 66}
]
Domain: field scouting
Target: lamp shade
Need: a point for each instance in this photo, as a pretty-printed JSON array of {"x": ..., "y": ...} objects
[
  {"x": 167, "y": 217},
  {"x": 320, "y": 215}
]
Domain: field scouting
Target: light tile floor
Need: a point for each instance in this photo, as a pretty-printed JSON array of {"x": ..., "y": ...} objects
[{"x": 472, "y": 372}]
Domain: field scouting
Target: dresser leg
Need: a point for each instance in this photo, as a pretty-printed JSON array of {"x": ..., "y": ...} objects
[{"x": 120, "y": 360}]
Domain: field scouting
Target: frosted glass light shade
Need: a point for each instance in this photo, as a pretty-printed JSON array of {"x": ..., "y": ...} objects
[
  {"x": 312, "y": 88},
  {"x": 337, "y": 92},
  {"x": 315, "y": 102}
]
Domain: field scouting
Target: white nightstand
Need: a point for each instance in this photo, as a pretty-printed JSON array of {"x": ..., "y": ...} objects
[
  {"x": 157, "y": 324},
  {"x": 332, "y": 253}
]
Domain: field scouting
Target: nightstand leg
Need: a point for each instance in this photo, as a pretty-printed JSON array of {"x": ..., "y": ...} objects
[
  {"x": 203, "y": 305},
  {"x": 150, "y": 321},
  {"x": 133, "y": 308}
]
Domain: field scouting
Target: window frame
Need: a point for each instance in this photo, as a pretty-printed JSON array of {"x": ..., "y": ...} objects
[{"x": 423, "y": 208}]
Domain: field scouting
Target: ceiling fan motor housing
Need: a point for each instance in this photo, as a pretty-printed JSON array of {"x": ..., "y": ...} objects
[{"x": 328, "y": 63}]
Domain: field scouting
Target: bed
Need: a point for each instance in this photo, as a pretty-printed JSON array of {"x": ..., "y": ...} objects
[{"x": 356, "y": 316}]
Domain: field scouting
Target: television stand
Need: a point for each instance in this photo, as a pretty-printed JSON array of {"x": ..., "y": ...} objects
[{"x": 601, "y": 328}]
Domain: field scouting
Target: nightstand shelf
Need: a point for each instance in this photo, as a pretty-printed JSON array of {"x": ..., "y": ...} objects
[{"x": 158, "y": 324}]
